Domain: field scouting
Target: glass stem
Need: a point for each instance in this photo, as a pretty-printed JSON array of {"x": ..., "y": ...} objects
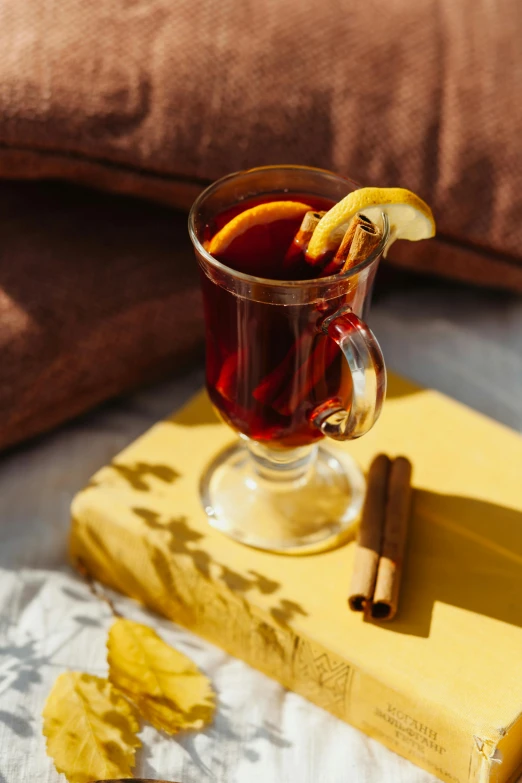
[{"x": 282, "y": 466}]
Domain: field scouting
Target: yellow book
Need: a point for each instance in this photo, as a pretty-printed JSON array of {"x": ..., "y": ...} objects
[{"x": 442, "y": 683}]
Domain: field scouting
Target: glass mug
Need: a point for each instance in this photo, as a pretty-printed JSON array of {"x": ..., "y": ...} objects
[{"x": 290, "y": 364}]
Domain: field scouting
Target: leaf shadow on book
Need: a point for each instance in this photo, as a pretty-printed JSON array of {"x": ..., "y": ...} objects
[
  {"x": 137, "y": 475},
  {"x": 463, "y": 552},
  {"x": 174, "y": 536}
]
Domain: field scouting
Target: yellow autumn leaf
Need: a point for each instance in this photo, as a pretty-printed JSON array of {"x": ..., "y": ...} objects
[
  {"x": 166, "y": 686},
  {"x": 90, "y": 729}
]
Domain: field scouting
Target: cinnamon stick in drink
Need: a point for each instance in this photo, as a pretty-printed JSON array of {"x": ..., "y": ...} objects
[
  {"x": 360, "y": 240},
  {"x": 300, "y": 242},
  {"x": 341, "y": 255},
  {"x": 274, "y": 383},
  {"x": 311, "y": 372},
  {"x": 365, "y": 240},
  {"x": 389, "y": 572},
  {"x": 370, "y": 534}
]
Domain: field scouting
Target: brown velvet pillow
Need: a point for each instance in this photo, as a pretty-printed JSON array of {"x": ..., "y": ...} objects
[
  {"x": 98, "y": 293},
  {"x": 154, "y": 97}
]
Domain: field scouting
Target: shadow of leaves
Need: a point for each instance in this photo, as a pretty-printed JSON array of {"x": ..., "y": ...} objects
[
  {"x": 87, "y": 622},
  {"x": 180, "y": 537},
  {"x": 26, "y": 663},
  {"x": 18, "y": 725},
  {"x": 137, "y": 474}
]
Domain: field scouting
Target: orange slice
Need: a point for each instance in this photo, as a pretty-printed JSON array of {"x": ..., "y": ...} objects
[{"x": 261, "y": 215}]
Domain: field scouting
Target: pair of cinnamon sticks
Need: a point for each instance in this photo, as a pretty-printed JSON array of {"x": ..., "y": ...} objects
[
  {"x": 359, "y": 241},
  {"x": 381, "y": 541}
]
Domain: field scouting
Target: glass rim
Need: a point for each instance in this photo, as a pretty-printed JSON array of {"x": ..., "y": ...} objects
[{"x": 335, "y": 278}]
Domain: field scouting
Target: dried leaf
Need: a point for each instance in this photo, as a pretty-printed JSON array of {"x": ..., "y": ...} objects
[
  {"x": 90, "y": 728},
  {"x": 167, "y": 687}
]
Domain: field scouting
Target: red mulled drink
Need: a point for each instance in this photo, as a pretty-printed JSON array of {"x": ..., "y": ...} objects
[{"x": 270, "y": 367}]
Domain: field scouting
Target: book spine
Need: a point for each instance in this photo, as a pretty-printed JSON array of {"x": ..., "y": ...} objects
[{"x": 181, "y": 588}]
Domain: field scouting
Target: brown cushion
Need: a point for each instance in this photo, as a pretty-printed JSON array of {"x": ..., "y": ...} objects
[
  {"x": 98, "y": 293},
  {"x": 156, "y": 97}
]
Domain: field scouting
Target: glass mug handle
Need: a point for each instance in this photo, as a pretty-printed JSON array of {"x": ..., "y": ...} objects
[{"x": 366, "y": 362}]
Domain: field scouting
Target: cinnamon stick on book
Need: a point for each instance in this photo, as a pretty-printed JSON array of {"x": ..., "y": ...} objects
[
  {"x": 370, "y": 536},
  {"x": 398, "y": 506}
]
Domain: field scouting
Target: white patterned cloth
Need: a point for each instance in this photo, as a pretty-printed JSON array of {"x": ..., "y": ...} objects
[{"x": 50, "y": 622}]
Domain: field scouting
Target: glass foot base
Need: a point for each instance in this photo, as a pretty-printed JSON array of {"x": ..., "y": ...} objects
[{"x": 293, "y": 516}]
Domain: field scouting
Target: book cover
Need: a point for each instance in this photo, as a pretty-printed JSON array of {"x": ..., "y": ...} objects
[{"x": 442, "y": 683}]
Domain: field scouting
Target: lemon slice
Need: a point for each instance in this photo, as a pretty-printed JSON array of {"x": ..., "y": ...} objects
[
  {"x": 262, "y": 214},
  {"x": 408, "y": 215}
]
